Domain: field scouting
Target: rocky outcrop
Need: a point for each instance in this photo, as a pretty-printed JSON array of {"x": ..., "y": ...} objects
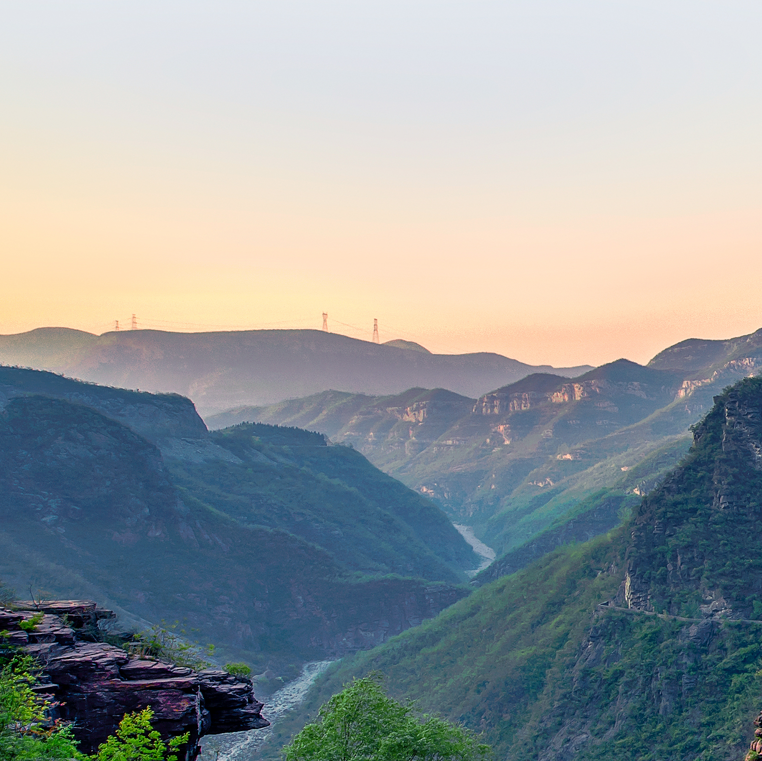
[
  {"x": 755, "y": 749},
  {"x": 93, "y": 684},
  {"x": 604, "y": 392}
]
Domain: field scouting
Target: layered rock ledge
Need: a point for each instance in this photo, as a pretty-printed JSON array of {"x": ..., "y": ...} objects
[{"x": 93, "y": 684}]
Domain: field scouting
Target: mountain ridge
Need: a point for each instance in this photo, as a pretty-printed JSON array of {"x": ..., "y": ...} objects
[
  {"x": 643, "y": 643},
  {"x": 301, "y": 549},
  {"x": 224, "y": 369}
]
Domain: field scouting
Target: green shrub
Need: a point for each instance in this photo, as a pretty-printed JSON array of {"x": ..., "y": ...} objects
[
  {"x": 137, "y": 740},
  {"x": 238, "y": 669},
  {"x": 26, "y": 733},
  {"x": 31, "y": 623},
  {"x": 163, "y": 645},
  {"x": 361, "y": 722}
]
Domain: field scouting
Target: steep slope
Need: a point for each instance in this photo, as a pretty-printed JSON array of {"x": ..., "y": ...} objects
[
  {"x": 263, "y": 529},
  {"x": 228, "y": 369},
  {"x": 698, "y": 358},
  {"x": 331, "y": 496},
  {"x": 642, "y": 644},
  {"x": 542, "y": 461},
  {"x": 515, "y": 460},
  {"x": 157, "y": 417}
]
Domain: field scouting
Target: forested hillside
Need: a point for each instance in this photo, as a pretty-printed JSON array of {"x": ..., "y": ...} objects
[
  {"x": 644, "y": 643},
  {"x": 265, "y": 541}
]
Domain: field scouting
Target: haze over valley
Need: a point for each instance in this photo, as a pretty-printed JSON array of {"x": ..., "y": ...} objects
[{"x": 381, "y": 381}]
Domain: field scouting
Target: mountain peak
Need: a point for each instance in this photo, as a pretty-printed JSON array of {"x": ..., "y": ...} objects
[{"x": 399, "y": 343}]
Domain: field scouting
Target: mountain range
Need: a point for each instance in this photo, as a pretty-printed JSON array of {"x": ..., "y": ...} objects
[
  {"x": 282, "y": 545},
  {"x": 540, "y": 462},
  {"x": 227, "y": 369},
  {"x": 642, "y": 643},
  {"x": 265, "y": 541}
]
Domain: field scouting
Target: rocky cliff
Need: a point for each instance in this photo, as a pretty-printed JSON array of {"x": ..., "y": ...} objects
[
  {"x": 93, "y": 684},
  {"x": 157, "y": 417}
]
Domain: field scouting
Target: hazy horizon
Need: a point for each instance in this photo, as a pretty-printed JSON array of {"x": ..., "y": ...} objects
[{"x": 561, "y": 184}]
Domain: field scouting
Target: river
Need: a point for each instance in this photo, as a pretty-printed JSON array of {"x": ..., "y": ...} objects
[
  {"x": 243, "y": 746},
  {"x": 487, "y": 554}
]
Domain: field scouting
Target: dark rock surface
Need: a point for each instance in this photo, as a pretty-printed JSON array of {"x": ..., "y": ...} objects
[{"x": 94, "y": 684}]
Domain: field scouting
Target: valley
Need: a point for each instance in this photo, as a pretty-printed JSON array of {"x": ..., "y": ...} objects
[
  {"x": 538, "y": 463},
  {"x": 643, "y": 642},
  {"x": 544, "y": 562}
]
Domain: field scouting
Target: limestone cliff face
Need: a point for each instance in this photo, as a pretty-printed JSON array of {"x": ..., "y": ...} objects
[
  {"x": 704, "y": 515},
  {"x": 602, "y": 391},
  {"x": 93, "y": 684}
]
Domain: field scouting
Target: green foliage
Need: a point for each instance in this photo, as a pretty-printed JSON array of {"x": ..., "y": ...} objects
[
  {"x": 362, "y": 724},
  {"x": 26, "y": 733},
  {"x": 137, "y": 740},
  {"x": 30, "y": 624},
  {"x": 238, "y": 669},
  {"x": 163, "y": 645}
]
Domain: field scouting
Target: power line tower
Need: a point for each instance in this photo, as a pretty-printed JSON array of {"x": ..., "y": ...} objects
[
  {"x": 325, "y": 321},
  {"x": 375, "y": 331},
  {"x": 134, "y": 323},
  {"x": 116, "y": 324}
]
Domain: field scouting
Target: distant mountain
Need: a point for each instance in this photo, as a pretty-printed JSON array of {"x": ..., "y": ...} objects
[
  {"x": 228, "y": 369},
  {"x": 698, "y": 359},
  {"x": 542, "y": 461},
  {"x": 412, "y": 345},
  {"x": 641, "y": 644},
  {"x": 497, "y": 462},
  {"x": 303, "y": 550}
]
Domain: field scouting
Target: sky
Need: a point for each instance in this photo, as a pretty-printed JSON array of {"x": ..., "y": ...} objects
[{"x": 560, "y": 182}]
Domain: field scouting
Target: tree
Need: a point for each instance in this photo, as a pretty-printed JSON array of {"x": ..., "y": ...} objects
[
  {"x": 137, "y": 740},
  {"x": 361, "y": 723},
  {"x": 26, "y": 734}
]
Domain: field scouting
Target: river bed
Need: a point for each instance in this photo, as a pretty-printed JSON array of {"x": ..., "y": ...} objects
[
  {"x": 243, "y": 746},
  {"x": 487, "y": 554}
]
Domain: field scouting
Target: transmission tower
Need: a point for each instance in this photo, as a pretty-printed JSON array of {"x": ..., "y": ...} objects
[
  {"x": 325, "y": 321},
  {"x": 375, "y": 331},
  {"x": 116, "y": 324},
  {"x": 134, "y": 323}
]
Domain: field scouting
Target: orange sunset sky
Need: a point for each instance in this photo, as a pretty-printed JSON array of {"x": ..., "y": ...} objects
[{"x": 560, "y": 182}]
